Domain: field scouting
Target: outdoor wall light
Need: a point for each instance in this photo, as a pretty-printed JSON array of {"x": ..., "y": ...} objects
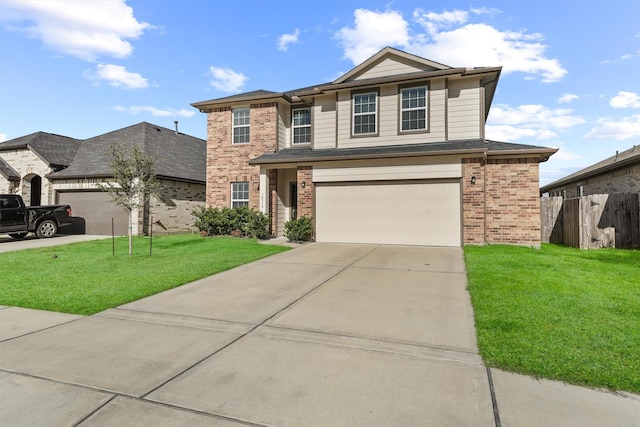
[
  {"x": 473, "y": 180},
  {"x": 304, "y": 184}
]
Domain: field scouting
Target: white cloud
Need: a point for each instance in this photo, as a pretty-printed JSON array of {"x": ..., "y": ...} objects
[
  {"x": 506, "y": 123},
  {"x": 156, "y": 112},
  {"x": 618, "y": 130},
  {"x": 372, "y": 32},
  {"x": 567, "y": 98},
  {"x": 286, "y": 39},
  {"x": 84, "y": 29},
  {"x": 118, "y": 76},
  {"x": 3, "y": 137},
  {"x": 625, "y": 100},
  {"x": 450, "y": 38},
  {"x": 227, "y": 80}
]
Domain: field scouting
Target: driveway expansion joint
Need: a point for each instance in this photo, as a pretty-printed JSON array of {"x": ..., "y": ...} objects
[{"x": 415, "y": 350}]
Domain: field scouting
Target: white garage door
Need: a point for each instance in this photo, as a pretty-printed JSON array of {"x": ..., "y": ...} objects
[
  {"x": 392, "y": 212},
  {"x": 94, "y": 210}
]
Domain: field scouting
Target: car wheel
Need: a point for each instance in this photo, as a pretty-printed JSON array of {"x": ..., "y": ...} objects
[
  {"x": 18, "y": 235},
  {"x": 47, "y": 228}
]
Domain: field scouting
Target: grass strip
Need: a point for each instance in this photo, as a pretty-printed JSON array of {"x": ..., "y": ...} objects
[
  {"x": 85, "y": 278},
  {"x": 559, "y": 313}
]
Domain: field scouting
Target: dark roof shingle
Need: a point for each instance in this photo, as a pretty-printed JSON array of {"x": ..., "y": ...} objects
[
  {"x": 8, "y": 172},
  {"x": 178, "y": 156},
  {"x": 56, "y": 150},
  {"x": 297, "y": 154}
]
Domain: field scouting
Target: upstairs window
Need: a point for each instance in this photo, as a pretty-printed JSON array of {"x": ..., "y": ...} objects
[
  {"x": 301, "y": 125},
  {"x": 413, "y": 109},
  {"x": 240, "y": 125},
  {"x": 365, "y": 106},
  {"x": 239, "y": 194}
]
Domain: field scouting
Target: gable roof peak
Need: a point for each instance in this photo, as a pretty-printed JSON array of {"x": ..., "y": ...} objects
[{"x": 390, "y": 52}]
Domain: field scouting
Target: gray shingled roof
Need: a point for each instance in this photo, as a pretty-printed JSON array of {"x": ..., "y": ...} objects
[
  {"x": 55, "y": 150},
  {"x": 8, "y": 172},
  {"x": 179, "y": 156},
  {"x": 627, "y": 157},
  {"x": 298, "y": 154}
]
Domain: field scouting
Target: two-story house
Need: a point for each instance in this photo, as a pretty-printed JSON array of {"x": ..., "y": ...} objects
[{"x": 393, "y": 152}]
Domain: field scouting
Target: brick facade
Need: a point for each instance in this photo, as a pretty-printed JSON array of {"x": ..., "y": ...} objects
[
  {"x": 512, "y": 201},
  {"x": 173, "y": 210},
  {"x": 473, "y": 201},
  {"x": 305, "y": 195},
  {"x": 28, "y": 165},
  {"x": 228, "y": 163},
  {"x": 502, "y": 206},
  {"x": 623, "y": 180}
]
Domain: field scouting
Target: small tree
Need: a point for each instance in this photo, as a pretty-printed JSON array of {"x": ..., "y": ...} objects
[{"x": 134, "y": 179}]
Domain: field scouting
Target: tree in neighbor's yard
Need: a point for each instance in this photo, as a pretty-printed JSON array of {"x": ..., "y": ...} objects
[{"x": 134, "y": 179}]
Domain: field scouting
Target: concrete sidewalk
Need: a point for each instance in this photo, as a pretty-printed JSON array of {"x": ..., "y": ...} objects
[
  {"x": 9, "y": 244},
  {"x": 319, "y": 335}
]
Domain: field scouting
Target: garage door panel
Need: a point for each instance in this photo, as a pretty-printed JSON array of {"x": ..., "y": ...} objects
[
  {"x": 96, "y": 209},
  {"x": 414, "y": 213}
]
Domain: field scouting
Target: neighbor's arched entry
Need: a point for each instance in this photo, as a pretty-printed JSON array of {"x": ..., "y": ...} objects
[
  {"x": 36, "y": 190},
  {"x": 31, "y": 189}
]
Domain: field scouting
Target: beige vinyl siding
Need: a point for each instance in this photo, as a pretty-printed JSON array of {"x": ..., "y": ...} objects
[
  {"x": 388, "y": 113},
  {"x": 323, "y": 121},
  {"x": 464, "y": 109},
  {"x": 284, "y": 126},
  {"x": 285, "y": 178},
  {"x": 390, "y": 67},
  {"x": 344, "y": 117},
  {"x": 387, "y": 169},
  {"x": 437, "y": 107}
]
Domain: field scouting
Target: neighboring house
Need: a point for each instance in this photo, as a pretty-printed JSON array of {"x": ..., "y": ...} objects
[
  {"x": 180, "y": 167},
  {"x": 391, "y": 152},
  {"x": 25, "y": 161},
  {"x": 617, "y": 174}
]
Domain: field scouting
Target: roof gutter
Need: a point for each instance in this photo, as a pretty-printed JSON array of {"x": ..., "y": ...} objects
[
  {"x": 225, "y": 101},
  {"x": 311, "y": 159}
]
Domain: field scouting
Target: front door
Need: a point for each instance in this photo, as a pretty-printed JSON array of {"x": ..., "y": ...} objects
[{"x": 293, "y": 200}]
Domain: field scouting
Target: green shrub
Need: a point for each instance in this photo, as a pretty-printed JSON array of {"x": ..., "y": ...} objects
[
  {"x": 299, "y": 230},
  {"x": 241, "y": 222}
]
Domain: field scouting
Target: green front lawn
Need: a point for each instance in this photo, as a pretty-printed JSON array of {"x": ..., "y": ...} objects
[
  {"x": 85, "y": 278},
  {"x": 559, "y": 313}
]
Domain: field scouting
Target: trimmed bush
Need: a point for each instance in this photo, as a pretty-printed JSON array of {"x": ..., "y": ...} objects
[
  {"x": 299, "y": 230},
  {"x": 240, "y": 222}
]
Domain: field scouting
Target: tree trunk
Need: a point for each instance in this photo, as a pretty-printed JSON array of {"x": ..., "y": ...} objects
[{"x": 130, "y": 232}]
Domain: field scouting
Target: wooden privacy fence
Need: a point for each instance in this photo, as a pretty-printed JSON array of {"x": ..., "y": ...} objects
[{"x": 591, "y": 222}]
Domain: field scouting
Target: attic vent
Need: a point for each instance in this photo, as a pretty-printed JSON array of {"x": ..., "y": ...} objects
[{"x": 175, "y": 122}]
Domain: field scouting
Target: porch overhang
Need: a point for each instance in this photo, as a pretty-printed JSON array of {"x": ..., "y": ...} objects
[{"x": 464, "y": 148}]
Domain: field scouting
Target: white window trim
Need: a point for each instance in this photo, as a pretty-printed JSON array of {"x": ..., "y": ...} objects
[
  {"x": 233, "y": 200},
  {"x": 293, "y": 127},
  {"x": 425, "y": 108},
  {"x": 234, "y": 126},
  {"x": 354, "y": 114}
]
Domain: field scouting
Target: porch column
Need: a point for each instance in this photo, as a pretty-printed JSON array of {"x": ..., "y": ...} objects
[{"x": 264, "y": 190}]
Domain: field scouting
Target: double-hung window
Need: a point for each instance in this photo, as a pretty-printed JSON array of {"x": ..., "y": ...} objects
[
  {"x": 239, "y": 194},
  {"x": 413, "y": 109},
  {"x": 301, "y": 125},
  {"x": 365, "y": 108},
  {"x": 240, "y": 125}
]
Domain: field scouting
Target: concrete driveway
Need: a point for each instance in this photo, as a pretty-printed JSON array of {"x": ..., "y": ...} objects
[{"x": 320, "y": 335}]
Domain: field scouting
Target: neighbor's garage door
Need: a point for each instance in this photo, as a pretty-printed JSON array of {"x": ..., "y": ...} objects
[
  {"x": 391, "y": 212},
  {"x": 96, "y": 209}
]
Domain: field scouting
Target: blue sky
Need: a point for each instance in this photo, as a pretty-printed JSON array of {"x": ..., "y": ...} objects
[{"x": 80, "y": 68}]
